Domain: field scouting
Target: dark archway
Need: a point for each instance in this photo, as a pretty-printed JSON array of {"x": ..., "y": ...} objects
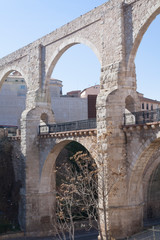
[
  {"x": 44, "y": 119},
  {"x": 129, "y": 118},
  {"x": 10, "y": 185},
  {"x": 12, "y": 103},
  {"x": 152, "y": 205},
  {"x": 76, "y": 189},
  {"x": 130, "y": 104}
]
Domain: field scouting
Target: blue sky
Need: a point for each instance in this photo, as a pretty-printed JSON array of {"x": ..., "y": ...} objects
[
  {"x": 148, "y": 62},
  {"x": 23, "y": 21}
]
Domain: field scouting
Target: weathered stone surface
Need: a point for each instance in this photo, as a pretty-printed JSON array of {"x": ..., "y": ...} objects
[{"x": 113, "y": 31}]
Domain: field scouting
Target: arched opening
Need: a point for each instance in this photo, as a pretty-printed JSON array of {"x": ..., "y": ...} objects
[
  {"x": 12, "y": 99},
  {"x": 129, "y": 104},
  {"x": 144, "y": 178},
  {"x": 76, "y": 190},
  {"x": 152, "y": 205},
  {"x": 147, "y": 67},
  {"x": 129, "y": 118},
  {"x": 12, "y": 103},
  {"x": 44, "y": 119},
  {"x": 10, "y": 184},
  {"x": 145, "y": 53},
  {"x": 74, "y": 83}
]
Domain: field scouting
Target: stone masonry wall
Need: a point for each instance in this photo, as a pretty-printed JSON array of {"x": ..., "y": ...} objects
[{"x": 113, "y": 31}]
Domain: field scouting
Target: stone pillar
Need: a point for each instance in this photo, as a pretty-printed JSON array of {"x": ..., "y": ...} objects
[
  {"x": 116, "y": 215},
  {"x": 39, "y": 214},
  {"x": 38, "y": 207}
]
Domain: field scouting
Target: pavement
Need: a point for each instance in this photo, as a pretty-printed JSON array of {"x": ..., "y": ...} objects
[
  {"x": 90, "y": 235},
  {"x": 150, "y": 233}
]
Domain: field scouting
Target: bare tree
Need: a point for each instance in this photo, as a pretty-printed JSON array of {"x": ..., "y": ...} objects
[{"x": 80, "y": 193}]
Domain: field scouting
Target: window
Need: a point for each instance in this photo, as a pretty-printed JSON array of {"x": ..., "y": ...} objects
[
  {"x": 22, "y": 87},
  {"x": 151, "y": 106},
  {"x": 142, "y": 105},
  {"x": 147, "y": 106}
]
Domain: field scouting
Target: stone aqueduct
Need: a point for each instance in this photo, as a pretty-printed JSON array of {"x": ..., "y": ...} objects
[{"x": 113, "y": 31}]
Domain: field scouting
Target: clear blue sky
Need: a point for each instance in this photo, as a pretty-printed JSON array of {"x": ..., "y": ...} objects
[{"x": 23, "y": 21}]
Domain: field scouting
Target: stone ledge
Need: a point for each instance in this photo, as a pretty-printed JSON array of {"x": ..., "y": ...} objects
[
  {"x": 146, "y": 126},
  {"x": 15, "y": 138},
  {"x": 80, "y": 133}
]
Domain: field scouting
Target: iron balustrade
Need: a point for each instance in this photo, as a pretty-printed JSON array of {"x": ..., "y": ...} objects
[
  {"x": 68, "y": 126},
  {"x": 142, "y": 117},
  {"x": 12, "y": 130}
]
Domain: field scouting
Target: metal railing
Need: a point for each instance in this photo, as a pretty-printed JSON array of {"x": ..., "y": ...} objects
[
  {"x": 142, "y": 117},
  {"x": 9, "y": 130},
  {"x": 148, "y": 234},
  {"x": 68, "y": 126}
]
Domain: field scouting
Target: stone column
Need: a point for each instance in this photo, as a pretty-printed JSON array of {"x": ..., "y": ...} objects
[
  {"x": 37, "y": 210},
  {"x": 116, "y": 215},
  {"x": 34, "y": 207}
]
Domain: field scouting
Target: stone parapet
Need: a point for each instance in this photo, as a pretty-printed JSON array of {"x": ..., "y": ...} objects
[
  {"x": 86, "y": 132},
  {"x": 146, "y": 126}
]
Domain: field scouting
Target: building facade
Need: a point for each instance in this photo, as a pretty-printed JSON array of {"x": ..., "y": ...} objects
[
  {"x": 75, "y": 105},
  {"x": 66, "y": 108},
  {"x": 12, "y": 100}
]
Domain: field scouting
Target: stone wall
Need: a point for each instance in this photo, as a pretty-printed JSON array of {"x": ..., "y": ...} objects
[{"x": 113, "y": 31}]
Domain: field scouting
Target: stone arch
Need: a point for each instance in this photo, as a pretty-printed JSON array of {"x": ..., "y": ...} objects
[
  {"x": 141, "y": 31},
  {"x": 142, "y": 149},
  {"x": 125, "y": 98},
  {"x": 7, "y": 71},
  {"x": 137, "y": 183},
  {"x": 39, "y": 112},
  {"x": 13, "y": 89},
  {"x": 35, "y": 115},
  {"x": 64, "y": 47},
  {"x": 153, "y": 199},
  {"x": 44, "y": 119},
  {"x": 129, "y": 117},
  {"x": 151, "y": 167},
  {"x": 15, "y": 112},
  {"x": 138, "y": 168},
  {"x": 48, "y": 173}
]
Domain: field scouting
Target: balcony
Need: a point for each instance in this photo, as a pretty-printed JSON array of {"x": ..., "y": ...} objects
[
  {"x": 142, "y": 117},
  {"x": 68, "y": 126}
]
